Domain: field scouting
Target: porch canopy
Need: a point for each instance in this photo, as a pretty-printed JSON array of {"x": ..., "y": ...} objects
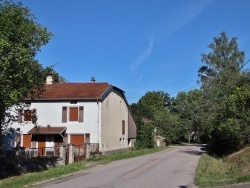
[{"x": 47, "y": 130}]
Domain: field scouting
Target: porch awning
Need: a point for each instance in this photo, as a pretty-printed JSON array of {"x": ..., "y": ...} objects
[{"x": 47, "y": 130}]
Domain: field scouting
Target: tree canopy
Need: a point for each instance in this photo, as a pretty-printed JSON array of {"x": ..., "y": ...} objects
[
  {"x": 223, "y": 82},
  {"x": 21, "y": 37},
  {"x": 217, "y": 113}
]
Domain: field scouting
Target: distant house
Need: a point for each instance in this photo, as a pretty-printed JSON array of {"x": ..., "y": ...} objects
[
  {"x": 146, "y": 120},
  {"x": 159, "y": 140},
  {"x": 76, "y": 113}
]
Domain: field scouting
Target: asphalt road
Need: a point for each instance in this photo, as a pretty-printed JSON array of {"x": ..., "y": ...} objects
[{"x": 170, "y": 168}]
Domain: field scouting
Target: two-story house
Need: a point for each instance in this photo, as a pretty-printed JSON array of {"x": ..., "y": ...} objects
[{"x": 76, "y": 113}]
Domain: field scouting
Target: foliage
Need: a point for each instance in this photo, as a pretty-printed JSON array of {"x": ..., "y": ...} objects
[
  {"x": 223, "y": 94},
  {"x": 20, "y": 40},
  {"x": 156, "y": 105},
  {"x": 188, "y": 107},
  {"x": 56, "y": 77},
  {"x": 217, "y": 172},
  {"x": 145, "y": 135},
  {"x": 218, "y": 113}
]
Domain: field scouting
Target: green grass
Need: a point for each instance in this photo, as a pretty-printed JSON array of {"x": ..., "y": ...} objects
[
  {"x": 233, "y": 169},
  {"x": 26, "y": 180}
]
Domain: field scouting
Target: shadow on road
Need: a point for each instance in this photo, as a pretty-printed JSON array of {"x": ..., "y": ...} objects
[{"x": 202, "y": 149}]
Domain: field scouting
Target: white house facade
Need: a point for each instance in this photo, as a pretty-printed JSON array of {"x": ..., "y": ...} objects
[{"x": 76, "y": 113}]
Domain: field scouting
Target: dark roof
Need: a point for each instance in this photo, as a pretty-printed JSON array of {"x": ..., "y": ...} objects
[
  {"x": 47, "y": 130},
  {"x": 147, "y": 120},
  {"x": 74, "y": 91}
]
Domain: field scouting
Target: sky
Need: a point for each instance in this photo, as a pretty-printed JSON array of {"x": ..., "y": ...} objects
[{"x": 137, "y": 45}]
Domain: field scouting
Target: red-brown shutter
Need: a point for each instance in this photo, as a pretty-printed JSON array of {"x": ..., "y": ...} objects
[
  {"x": 26, "y": 140},
  {"x": 73, "y": 114},
  {"x": 123, "y": 127},
  {"x": 77, "y": 139},
  {"x": 81, "y": 113},
  {"x": 20, "y": 119},
  {"x": 64, "y": 114}
]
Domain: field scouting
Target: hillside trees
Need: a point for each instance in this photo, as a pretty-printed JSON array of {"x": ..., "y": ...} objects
[
  {"x": 156, "y": 105},
  {"x": 20, "y": 40},
  {"x": 225, "y": 95},
  {"x": 188, "y": 107},
  {"x": 145, "y": 135}
]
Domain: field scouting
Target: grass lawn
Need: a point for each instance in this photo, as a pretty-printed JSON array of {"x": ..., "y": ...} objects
[
  {"x": 26, "y": 180},
  {"x": 232, "y": 169}
]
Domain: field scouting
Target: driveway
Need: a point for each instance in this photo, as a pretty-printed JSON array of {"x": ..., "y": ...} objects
[{"x": 174, "y": 167}]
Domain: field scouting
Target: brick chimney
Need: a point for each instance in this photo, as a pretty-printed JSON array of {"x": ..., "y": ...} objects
[{"x": 49, "y": 79}]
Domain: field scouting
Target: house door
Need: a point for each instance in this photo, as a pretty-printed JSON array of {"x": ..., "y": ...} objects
[{"x": 41, "y": 145}]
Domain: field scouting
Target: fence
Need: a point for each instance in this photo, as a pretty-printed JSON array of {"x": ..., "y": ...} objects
[{"x": 67, "y": 153}]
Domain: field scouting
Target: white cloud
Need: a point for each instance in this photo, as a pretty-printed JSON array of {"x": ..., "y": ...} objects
[
  {"x": 139, "y": 79},
  {"x": 142, "y": 57},
  {"x": 184, "y": 15}
]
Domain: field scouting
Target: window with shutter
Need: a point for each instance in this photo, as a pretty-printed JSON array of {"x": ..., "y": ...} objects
[
  {"x": 27, "y": 115},
  {"x": 81, "y": 113},
  {"x": 73, "y": 114},
  {"x": 64, "y": 114}
]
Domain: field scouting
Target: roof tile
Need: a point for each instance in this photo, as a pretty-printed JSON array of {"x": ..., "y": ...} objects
[{"x": 74, "y": 90}]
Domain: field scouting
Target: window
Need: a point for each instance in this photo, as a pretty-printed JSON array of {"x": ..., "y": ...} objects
[
  {"x": 87, "y": 138},
  {"x": 123, "y": 127},
  {"x": 72, "y": 114},
  {"x": 26, "y": 115}
]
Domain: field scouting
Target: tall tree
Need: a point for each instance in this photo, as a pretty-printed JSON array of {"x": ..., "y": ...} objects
[
  {"x": 220, "y": 77},
  {"x": 20, "y": 40}
]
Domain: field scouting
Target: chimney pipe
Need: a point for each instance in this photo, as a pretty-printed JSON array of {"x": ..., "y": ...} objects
[
  {"x": 49, "y": 79},
  {"x": 92, "y": 80}
]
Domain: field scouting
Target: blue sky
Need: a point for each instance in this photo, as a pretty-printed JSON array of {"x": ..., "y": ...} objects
[{"x": 137, "y": 45}]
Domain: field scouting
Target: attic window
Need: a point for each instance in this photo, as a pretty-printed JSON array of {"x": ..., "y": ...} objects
[{"x": 73, "y": 102}]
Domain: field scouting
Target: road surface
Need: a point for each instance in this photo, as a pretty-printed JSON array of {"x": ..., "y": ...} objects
[{"x": 174, "y": 167}]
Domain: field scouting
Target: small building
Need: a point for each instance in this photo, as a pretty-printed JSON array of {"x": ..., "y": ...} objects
[{"x": 160, "y": 141}]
